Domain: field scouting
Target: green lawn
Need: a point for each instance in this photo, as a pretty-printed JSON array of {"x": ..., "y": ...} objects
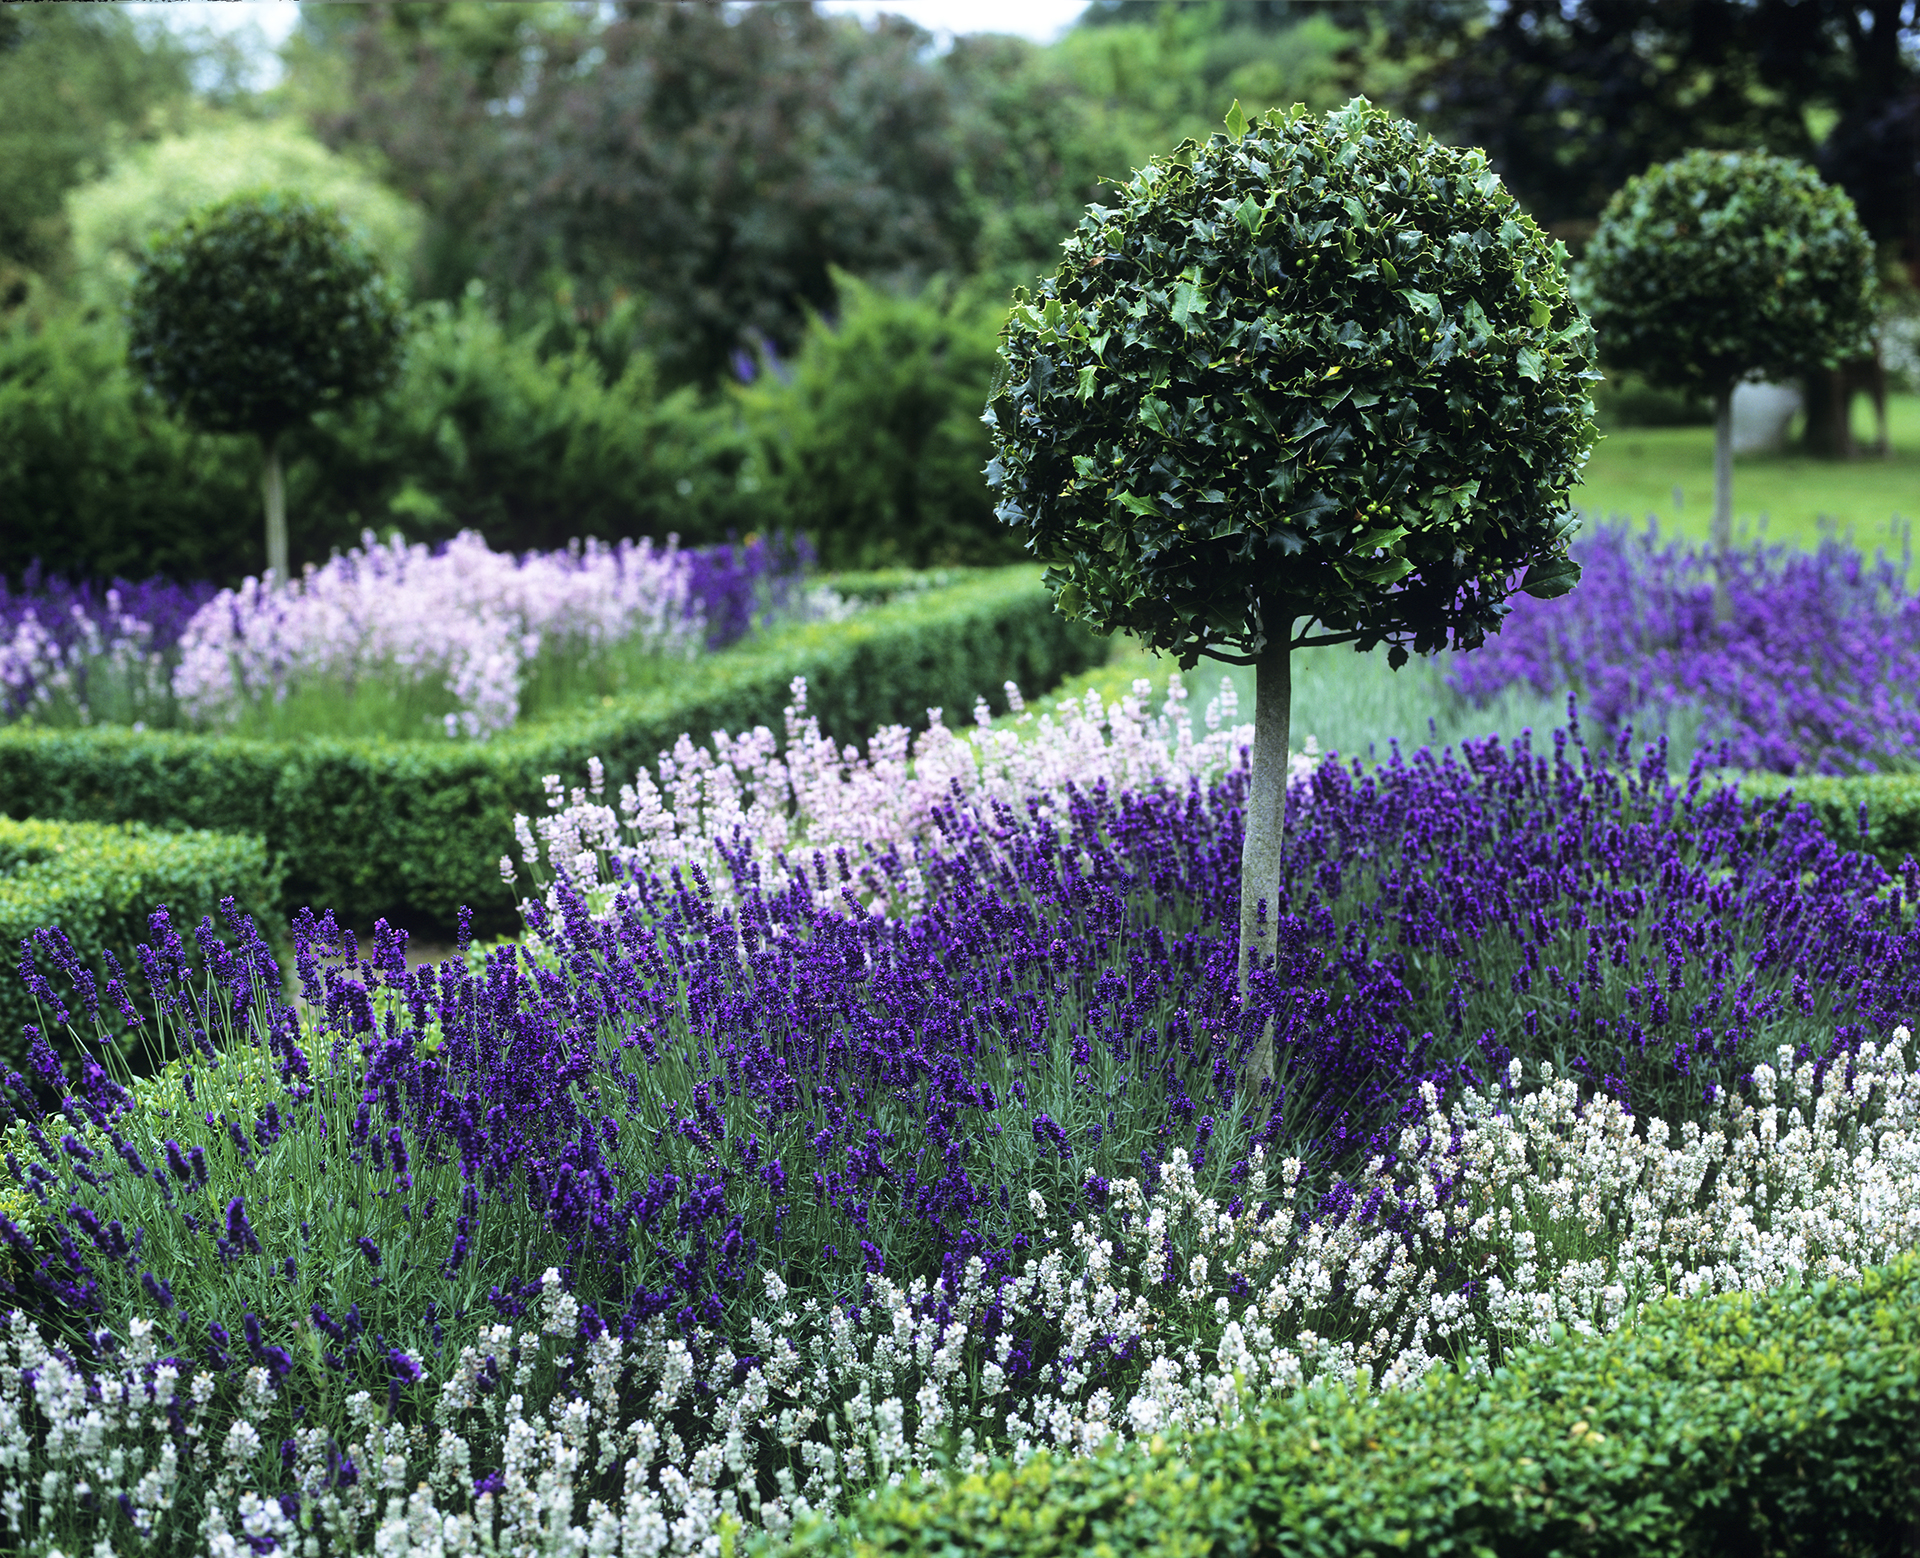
[{"x": 1635, "y": 471}]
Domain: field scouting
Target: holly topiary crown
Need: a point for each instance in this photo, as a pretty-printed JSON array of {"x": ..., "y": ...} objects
[{"x": 1321, "y": 370}]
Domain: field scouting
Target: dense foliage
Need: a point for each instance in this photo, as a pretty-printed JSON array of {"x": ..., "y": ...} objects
[
  {"x": 104, "y": 481},
  {"x": 869, "y": 440},
  {"x": 1322, "y": 370},
  {"x": 258, "y": 311},
  {"x": 154, "y": 187},
  {"x": 1768, "y": 1423},
  {"x": 525, "y": 434},
  {"x": 1815, "y": 671},
  {"x": 75, "y": 82},
  {"x": 719, "y": 163},
  {"x": 1720, "y": 265}
]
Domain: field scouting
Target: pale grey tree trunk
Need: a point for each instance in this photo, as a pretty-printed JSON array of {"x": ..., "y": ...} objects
[
  {"x": 1266, "y": 823},
  {"x": 1722, "y": 541},
  {"x": 273, "y": 492}
]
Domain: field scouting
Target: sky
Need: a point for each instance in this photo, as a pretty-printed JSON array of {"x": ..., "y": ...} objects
[{"x": 1041, "y": 20}]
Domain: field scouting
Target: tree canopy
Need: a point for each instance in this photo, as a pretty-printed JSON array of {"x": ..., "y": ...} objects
[
  {"x": 1573, "y": 97},
  {"x": 79, "y": 83},
  {"x": 1326, "y": 371},
  {"x": 1718, "y": 265},
  {"x": 258, "y": 311}
]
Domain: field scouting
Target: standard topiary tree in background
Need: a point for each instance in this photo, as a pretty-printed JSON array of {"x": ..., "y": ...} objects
[
  {"x": 255, "y": 313},
  {"x": 1720, "y": 266},
  {"x": 1318, "y": 381}
]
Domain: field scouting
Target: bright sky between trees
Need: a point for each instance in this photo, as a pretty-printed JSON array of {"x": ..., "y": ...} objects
[{"x": 273, "y": 20}]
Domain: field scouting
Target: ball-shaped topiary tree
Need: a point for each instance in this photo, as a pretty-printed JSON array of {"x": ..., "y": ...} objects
[
  {"x": 1317, "y": 381},
  {"x": 253, "y": 314},
  {"x": 1720, "y": 266}
]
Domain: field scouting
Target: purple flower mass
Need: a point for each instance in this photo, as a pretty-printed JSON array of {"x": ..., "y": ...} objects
[
  {"x": 664, "y": 1103},
  {"x": 53, "y": 632},
  {"x": 1818, "y": 671}
]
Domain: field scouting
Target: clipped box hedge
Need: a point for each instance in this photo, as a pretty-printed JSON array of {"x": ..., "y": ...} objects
[
  {"x": 1786, "y": 1422},
  {"x": 411, "y": 830},
  {"x": 99, "y": 882},
  {"x": 1892, "y": 803}
]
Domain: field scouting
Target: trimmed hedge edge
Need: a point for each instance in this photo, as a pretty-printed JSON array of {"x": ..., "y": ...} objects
[
  {"x": 99, "y": 883},
  {"x": 1783, "y": 1422},
  {"x": 413, "y": 830},
  {"x": 1891, "y": 802}
]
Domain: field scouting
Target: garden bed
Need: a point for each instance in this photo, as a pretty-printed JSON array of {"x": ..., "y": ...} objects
[
  {"x": 412, "y": 830},
  {"x": 719, "y": 1211}
]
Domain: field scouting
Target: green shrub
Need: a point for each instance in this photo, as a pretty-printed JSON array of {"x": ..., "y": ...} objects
[
  {"x": 96, "y": 479},
  {"x": 1892, "y": 802},
  {"x": 485, "y": 428},
  {"x": 489, "y": 429},
  {"x": 871, "y": 441},
  {"x": 98, "y": 882},
  {"x": 413, "y": 830},
  {"x": 1751, "y": 1424}
]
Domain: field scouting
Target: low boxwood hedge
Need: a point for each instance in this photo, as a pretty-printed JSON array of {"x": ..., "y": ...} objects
[
  {"x": 1892, "y": 802},
  {"x": 1784, "y": 1422},
  {"x": 99, "y": 882},
  {"x": 412, "y": 830}
]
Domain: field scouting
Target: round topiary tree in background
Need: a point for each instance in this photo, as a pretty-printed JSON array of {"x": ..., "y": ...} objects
[
  {"x": 1317, "y": 381},
  {"x": 255, "y": 313},
  {"x": 1721, "y": 266}
]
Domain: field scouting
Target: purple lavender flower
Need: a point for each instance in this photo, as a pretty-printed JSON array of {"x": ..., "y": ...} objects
[
  {"x": 1817, "y": 672},
  {"x": 59, "y": 638},
  {"x": 239, "y": 1231}
]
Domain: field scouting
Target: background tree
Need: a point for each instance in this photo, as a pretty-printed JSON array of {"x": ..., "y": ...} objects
[
  {"x": 1573, "y": 97},
  {"x": 256, "y": 313},
  {"x": 869, "y": 437},
  {"x": 1720, "y": 266},
  {"x": 159, "y": 184},
  {"x": 718, "y": 164},
  {"x": 79, "y": 84},
  {"x": 1317, "y": 381}
]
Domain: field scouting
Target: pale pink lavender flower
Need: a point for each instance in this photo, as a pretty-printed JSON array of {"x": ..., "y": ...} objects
[
  {"x": 810, "y": 799},
  {"x": 466, "y": 618}
]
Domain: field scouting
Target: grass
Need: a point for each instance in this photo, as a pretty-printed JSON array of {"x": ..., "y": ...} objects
[
  {"x": 1636, "y": 472},
  {"x": 1348, "y": 703}
]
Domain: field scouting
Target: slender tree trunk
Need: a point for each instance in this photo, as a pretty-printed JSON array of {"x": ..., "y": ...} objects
[
  {"x": 1722, "y": 541},
  {"x": 1266, "y": 823},
  {"x": 273, "y": 492},
  {"x": 1829, "y": 431}
]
